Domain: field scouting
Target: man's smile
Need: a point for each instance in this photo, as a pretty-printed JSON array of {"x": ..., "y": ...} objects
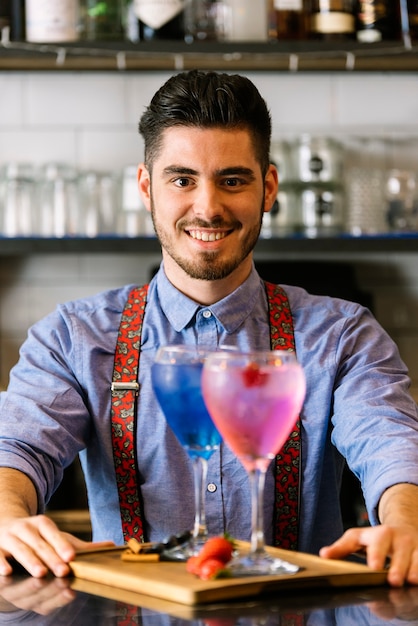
[{"x": 204, "y": 235}]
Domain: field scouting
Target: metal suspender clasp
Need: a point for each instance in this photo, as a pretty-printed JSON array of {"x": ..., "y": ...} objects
[{"x": 124, "y": 386}]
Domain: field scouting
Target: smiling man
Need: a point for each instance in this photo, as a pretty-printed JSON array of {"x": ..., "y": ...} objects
[
  {"x": 207, "y": 194},
  {"x": 207, "y": 180}
]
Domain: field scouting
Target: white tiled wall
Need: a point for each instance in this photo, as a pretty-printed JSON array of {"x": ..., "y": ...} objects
[{"x": 90, "y": 120}]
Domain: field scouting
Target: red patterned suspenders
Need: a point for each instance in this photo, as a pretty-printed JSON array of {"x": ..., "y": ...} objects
[
  {"x": 286, "y": 502},
  {"x": 125, "y": 390}
]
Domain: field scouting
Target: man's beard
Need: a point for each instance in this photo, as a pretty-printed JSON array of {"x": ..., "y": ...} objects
[{"x": 206, "y": 265}]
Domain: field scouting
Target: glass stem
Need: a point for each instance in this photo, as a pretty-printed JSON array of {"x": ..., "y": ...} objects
[
  {"x": 257, "y": 480},
  {"x": 200, "y": 471}
]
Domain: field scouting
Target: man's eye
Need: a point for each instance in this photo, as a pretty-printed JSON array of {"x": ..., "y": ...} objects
[
  {"x": 182, "y": 182},
  {"x": 232, "y": 182}
]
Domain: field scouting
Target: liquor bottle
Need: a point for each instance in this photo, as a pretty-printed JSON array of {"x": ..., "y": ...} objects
[
  {"x": 376, "y": 20},
  {"x": 204, "y": 20},
  {"x": 104, "y": 20},
  {"x": 49, "y": 21},
  {"x": 332, "y": 19},
  {"x": 17, "y": 20},
  {"x": 5, "y": 14},
  {"x": 160, "y": 19},
  {"x": 288, "y": 20},
  {"x": 413, "y": 19},
  {"x": 248, "y": 20}
]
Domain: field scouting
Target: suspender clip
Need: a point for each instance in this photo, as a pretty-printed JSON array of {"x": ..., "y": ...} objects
[{"x": 125, "y": 386}]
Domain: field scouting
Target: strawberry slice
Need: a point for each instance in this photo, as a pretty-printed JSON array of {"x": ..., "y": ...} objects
[
  {"x": 211, "y": 568},
  {"x": 211, "y": 561},
  {"x": 253, "y": 376},
  {"x": 219, "y": 548}
]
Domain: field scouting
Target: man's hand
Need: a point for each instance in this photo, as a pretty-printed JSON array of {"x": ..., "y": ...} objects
[
  {"x": 379, "y": 542},
  {"x": 39, "y": 546},
  {"x": 33, "y": 541},
  {"x": 396, "y": 538}
]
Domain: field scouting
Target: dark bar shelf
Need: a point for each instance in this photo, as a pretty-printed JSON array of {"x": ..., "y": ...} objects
[
  {"x": 342, "y": 245},
  {"x": 283, "y": 56}
]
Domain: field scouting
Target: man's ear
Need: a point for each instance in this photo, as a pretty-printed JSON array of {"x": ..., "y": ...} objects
[
  {"x": 144, "y": 185},
  {"x": 271, "y": 188}
]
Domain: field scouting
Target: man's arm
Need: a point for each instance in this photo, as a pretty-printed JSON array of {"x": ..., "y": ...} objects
[
  {"x": 396, "y": 537},
  {"x": 19, "y": 493},
  {"x": 32, "y": 540}
]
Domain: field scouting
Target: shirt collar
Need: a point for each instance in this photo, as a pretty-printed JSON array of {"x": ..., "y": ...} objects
[{"x": 230, "y": 312}]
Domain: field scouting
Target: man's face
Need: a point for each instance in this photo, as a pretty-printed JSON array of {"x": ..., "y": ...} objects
[{"x": 207, "y": 196}]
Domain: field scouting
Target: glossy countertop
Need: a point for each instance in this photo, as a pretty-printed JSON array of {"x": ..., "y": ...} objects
[{"x": 51, "y": 601}]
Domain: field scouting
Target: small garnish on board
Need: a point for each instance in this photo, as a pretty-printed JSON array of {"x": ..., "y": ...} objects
[
  {"x": 212, "y": 560},
  {"x": 153, "y": 551},
  {"x": 137, "y": 551}
]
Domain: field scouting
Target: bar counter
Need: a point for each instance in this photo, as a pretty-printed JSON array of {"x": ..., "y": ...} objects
[{"x": 61, "y": 602}]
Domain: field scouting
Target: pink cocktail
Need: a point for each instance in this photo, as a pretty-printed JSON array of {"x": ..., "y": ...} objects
[{"x": 254, "y": 400}]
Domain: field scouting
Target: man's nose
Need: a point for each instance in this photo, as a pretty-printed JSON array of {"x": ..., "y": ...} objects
[{"x": 208, "y": 201}]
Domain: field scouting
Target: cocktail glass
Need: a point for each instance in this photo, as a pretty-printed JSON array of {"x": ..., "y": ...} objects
[
  {"x": 176, "y": 379},
  {"x": 254, "y": 399}
]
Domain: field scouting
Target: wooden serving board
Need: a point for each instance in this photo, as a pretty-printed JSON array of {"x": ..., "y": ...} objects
[{"x": 170, "y": 581}]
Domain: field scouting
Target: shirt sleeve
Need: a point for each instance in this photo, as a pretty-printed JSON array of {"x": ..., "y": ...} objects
[
  {"x": 44, "y": 414},
  {"x": 375, "y": 424}
]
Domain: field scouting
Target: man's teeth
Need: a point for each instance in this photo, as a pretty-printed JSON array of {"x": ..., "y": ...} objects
[{"x": 204, "y": 236}]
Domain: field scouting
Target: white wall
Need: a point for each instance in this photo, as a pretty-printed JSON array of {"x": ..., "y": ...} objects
[{"x": 90, "y": 119}]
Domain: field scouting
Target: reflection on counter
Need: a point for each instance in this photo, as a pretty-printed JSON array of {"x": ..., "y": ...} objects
[{"x": 73, "y": 601}]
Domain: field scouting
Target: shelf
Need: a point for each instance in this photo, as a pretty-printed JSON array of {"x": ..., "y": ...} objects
[
  {"x": 310, "y": 56},
  {"x": 344, "y": 245}
]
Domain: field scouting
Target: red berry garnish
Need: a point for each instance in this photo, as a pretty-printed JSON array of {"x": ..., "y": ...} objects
[{"x": 253, "y": 376}]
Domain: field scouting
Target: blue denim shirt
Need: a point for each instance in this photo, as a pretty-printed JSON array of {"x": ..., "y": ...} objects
[{"x": 357, "y": 406}]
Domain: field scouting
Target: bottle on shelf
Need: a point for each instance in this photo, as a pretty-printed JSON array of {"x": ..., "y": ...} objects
[
  {"x": 413, "y": 19},
  {"x": 103, "y": 20},
  {"x": 317, "y": 164},
  {"x": 332, "y": 19},
  {"x": 17, "y": 20},
  {"x": 50, "y": 21},
  {"x": 288, "y": 20},
  {"x": 377, "y": 20},
  {"x": 204, "y": 20},
  {"x": 5, "y": 12},
  {"x": 159, "y": 19},
  {"x": 247, "y": 20}
]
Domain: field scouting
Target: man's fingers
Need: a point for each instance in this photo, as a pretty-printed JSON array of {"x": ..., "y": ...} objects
[
  {"x": 404, "y": 560},
  {"x": 377, "y": 542},
  {"x": 380, "y": 543},
  {"x": 413, "y": 571},
  {"x": 5, "y": 567},
  {"x": 38, "y": 545},
  {"x": 348, "y": 543}
]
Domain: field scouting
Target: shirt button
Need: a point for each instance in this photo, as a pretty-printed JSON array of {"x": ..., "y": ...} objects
[
  {"x": 212, "y": 487},
  {"x": 207, "y": 314}
]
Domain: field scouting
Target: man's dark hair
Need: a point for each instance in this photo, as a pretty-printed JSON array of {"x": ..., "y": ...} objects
[{"x": 207, "y": 100}]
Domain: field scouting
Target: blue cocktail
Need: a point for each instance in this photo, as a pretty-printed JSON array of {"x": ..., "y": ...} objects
[{"x": 176, "y": 379}]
